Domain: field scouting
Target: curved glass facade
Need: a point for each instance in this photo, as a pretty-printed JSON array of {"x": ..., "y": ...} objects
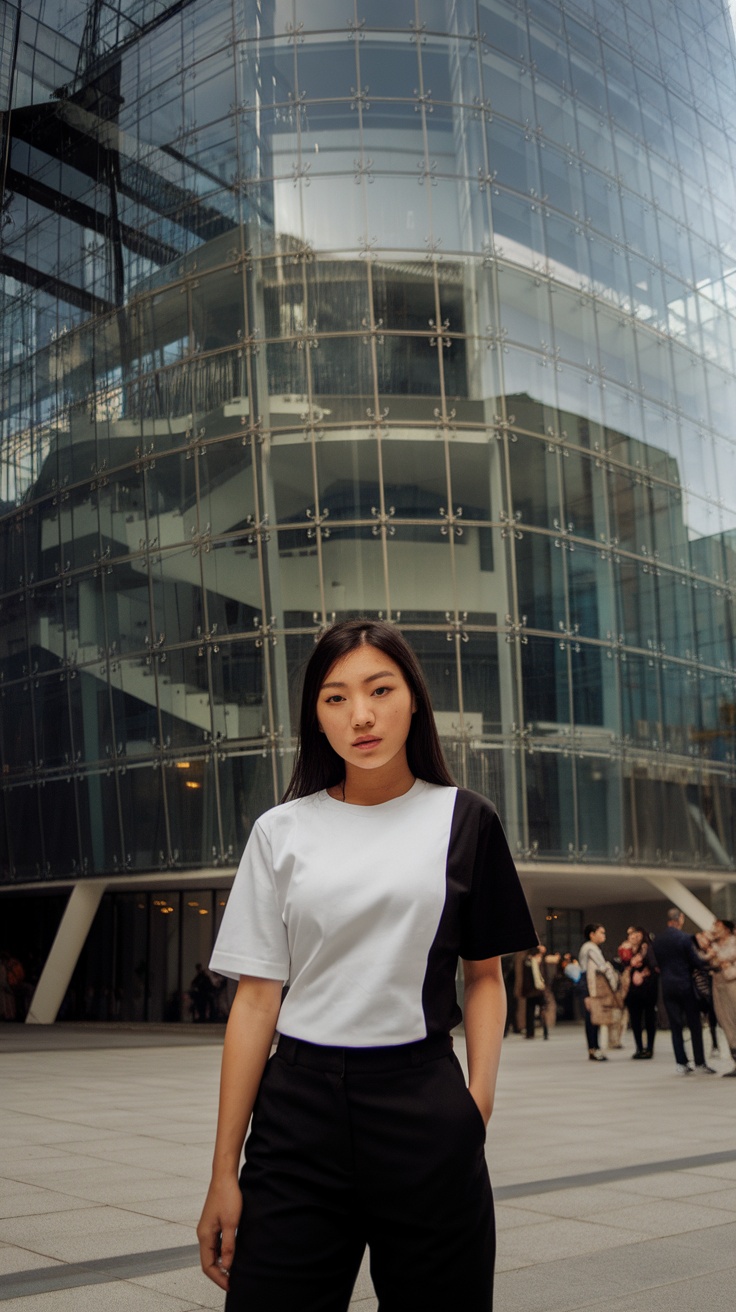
[{"x": 423, "y": 310}]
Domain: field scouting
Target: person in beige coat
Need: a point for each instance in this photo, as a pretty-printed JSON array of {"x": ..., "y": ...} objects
[
  {"x": 601, "y": 989},
  {"x": 722, "y": 959}
]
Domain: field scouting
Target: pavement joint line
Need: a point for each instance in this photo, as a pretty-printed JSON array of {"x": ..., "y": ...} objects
[
  {"x": 100, "y": 1271},
  {"x": 609, "y": 1174},
  {"x": 105, "y": 1270}
]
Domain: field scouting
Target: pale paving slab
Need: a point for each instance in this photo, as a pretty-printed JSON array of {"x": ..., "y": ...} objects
[
  {"x": 670, "y": 1184},
  {"x": 18, "y": 1199},
  {"x": 120, "y": 1296},
  {"x": 13, "y": 1258},
  {"x": 82, "y": 1167},
  {"x": 105, "y": 1183},
  {"x": 81, "y": 1234},
  {"x": 516, "y": 1217},
  {"x": 667, "y": 1217},
  {"x": 190, "y": 1285},
  {"x": 715, "y": 1289},
  {"x": 622, "y": 1274},
  {"x": 571, "y": 1203},
  {"x": 551, "y": 1240},
  {"x": 153, "y": 1154},
  {"x": 718, "y": 1170},
  {"x": 181, "y": 1207},
  {"x": 721, "y": 1200}
]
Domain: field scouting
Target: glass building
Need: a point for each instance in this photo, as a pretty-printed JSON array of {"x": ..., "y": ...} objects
[{"x": 316, "y": 308}]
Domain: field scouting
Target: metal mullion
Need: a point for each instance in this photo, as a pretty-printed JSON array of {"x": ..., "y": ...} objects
[
  {"x": 153, "y": 654},
  {"x": 208, "y": 655},
  {"x": 567, "y": 643},
  {"x": 377, "y": 416},
  {"x": 309, "y": 344},
  {"x": 103, "y": 567},
  {"x": 257, "y": 384}
]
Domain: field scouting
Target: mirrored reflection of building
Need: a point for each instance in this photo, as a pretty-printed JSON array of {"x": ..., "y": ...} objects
[{"x": 422, "y": 310}]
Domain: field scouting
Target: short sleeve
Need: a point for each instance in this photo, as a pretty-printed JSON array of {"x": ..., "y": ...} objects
[
  {"x": 495, "y": 918},
  {"x": 252, "y": 938}
]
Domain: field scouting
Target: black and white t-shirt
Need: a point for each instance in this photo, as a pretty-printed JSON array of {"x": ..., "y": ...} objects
[{"x": 364, "y": 911}]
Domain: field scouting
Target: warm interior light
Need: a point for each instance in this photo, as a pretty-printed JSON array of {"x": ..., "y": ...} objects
[
  {"x": 192, "y": 783},
  {"x": 203, "y": 911},
  {"x": 192, "y": 904},
  {"x": 183, "y": 765}
]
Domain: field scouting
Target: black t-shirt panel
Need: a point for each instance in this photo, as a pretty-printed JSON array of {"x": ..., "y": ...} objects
[{"x": 485, "y": 912}]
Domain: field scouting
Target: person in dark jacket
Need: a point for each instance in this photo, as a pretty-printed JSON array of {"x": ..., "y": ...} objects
[{"x": 677, "y": 958}]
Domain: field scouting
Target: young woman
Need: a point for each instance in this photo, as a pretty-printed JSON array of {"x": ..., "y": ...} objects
[
  {"x": 361, "y": 890},
  {"x": 641, "y": 999},
  {"x": 595, "y": 968}
]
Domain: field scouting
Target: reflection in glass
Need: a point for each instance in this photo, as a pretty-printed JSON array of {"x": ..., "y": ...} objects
[{"x": 310, "y": 318}]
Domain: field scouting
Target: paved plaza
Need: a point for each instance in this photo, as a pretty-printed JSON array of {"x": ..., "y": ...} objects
[{"x": 613, "y": 1182}]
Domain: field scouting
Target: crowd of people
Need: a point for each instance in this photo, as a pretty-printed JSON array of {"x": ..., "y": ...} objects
[{"x": 692, "y": 977}]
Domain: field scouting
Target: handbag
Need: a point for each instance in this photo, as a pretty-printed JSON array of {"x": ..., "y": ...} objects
[{"x": 606, "y": 1007}]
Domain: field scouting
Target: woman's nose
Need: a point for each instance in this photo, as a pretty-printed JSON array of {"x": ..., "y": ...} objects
[{"x": 362, "y": 713}]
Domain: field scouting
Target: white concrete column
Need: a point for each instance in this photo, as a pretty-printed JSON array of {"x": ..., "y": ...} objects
[
  {"x": 680, "y": 896},
  {"x": 70, "y": 938}
]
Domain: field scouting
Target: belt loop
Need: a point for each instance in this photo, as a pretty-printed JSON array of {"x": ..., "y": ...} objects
[{"x": 342, "y": 1063}]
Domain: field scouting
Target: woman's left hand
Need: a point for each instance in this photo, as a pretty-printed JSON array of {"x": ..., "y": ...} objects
[{"x": 484, "y": 1103}]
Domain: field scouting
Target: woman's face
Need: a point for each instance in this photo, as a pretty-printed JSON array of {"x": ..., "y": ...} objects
[
  {"x": 598, "y": 936},
  {"x": 719, "y": 931},
  {"x": 636, "y": 938},
  {"x": 365, "y": 707}
]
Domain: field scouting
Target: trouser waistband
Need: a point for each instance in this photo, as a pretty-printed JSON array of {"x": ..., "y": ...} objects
[{"x": 323, "y": 1057}]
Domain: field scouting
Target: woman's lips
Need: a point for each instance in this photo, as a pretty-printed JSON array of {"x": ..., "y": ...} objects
[{"x": 364, "y": 744}]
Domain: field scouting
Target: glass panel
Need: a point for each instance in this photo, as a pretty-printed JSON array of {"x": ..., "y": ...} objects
[
  {"x": 535, "y": 483},
  {"x": 246, "y": 786},
  {"x": 144, "y": 817},
  {"x": 198, "y": 987},
  {"x": 131, "y": 955},
  {"x": 589, "y": 588},
  {"x": 165, "y": 1002},
  {"x": 99, "y": 822},
  {"x": 480, "y": 658},
  {"x": 549, "y": 796},
  {"x": 540, "y": 572},
  {"x": 546, "y": 691},
  {"x": 600, "y": 818}
]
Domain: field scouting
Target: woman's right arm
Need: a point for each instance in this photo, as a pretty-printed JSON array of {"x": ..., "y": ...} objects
[{"x": 248, "y": 1039}]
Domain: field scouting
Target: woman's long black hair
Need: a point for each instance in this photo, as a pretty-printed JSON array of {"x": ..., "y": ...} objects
[{"x": 317, "y": 764}]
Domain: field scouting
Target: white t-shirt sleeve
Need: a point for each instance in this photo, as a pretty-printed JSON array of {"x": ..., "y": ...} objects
[{"x": 252, "y": 939}]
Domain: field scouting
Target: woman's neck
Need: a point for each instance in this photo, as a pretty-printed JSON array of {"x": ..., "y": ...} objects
[{"x": 371, "y": 787}]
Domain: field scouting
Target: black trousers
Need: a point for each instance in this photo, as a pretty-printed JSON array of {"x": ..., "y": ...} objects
[
  {"x": 531, "y": 1013},
  {"x": 683, "y": 1010},
  {"x": 643, "y": 1016},
  {"x": 591, "y": 1031},
  {"x": 349, "y": 1147}
]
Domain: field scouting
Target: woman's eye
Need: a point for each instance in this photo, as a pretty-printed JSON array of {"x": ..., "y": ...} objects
[
  {"x": 334, "y": 699},
  {"x": 378, "y": 692}
]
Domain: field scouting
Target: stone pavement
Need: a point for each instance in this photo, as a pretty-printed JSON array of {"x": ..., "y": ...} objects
[{"x": 613, "y": 1182}]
